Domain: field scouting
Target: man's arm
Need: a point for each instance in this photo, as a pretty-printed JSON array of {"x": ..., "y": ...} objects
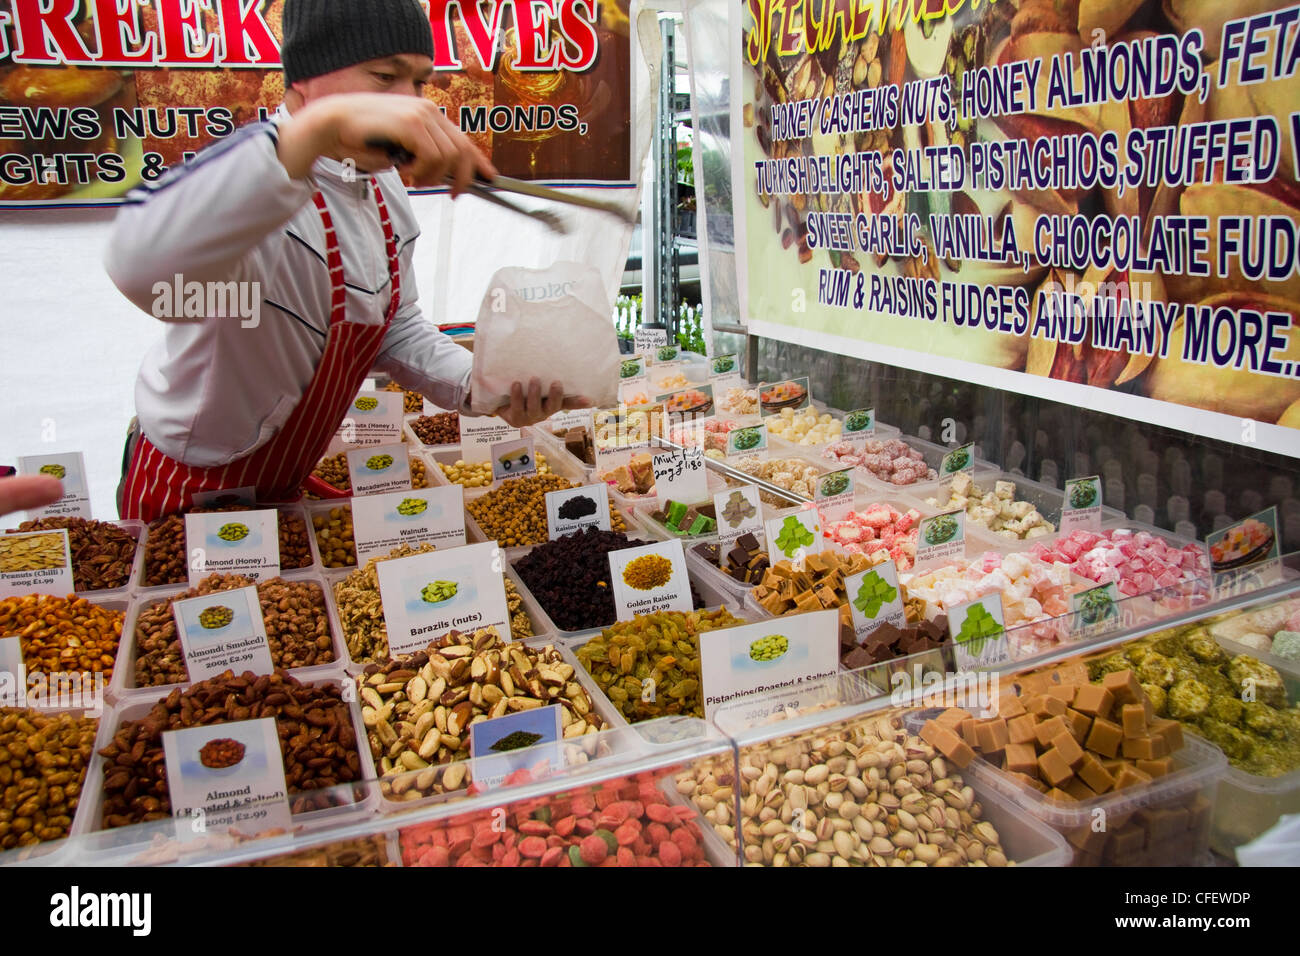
[
  {"x": 200, "y": 220},
  {"x": 419, "y": 357}
]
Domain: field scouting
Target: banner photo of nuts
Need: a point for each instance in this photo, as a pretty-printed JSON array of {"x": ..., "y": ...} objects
[
  {"x": 103, "y": 104},
  {"x": 1093, "y": 203}
]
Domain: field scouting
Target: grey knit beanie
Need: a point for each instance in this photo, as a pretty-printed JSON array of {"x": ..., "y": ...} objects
[{"x": 321, "y": 36}]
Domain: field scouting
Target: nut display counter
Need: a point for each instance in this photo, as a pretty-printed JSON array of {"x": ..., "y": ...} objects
[{"x": 1198, "y": 800}]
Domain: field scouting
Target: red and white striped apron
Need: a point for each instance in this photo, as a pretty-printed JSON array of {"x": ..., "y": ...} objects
[{"x": 157, "y": 485}]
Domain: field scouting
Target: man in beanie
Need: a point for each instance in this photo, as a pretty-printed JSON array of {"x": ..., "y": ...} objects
[{"x": 306, "y": 213}]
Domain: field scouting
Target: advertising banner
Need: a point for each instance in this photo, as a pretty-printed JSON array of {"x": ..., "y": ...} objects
[
  {"x": 1094, "y": 201},
  {"x": 96, "y": 99}
]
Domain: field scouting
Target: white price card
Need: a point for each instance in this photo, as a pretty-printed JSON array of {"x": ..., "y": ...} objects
[
  {"x": 561, "y": 422},
  {"x": 225, "y": 498},
  {"x": 978, "y": 633},
  {"x": 961, "y": 458},
  {"x": 13, "y": 673},
  {"x": 514, "y": 459},
  {"x": 379, "y": 469},
  {"x": 501, "y": 746},
  {"x": 573, "y": 509},
  {"x": 373, "y": 418},
  {"x": 687, "y": 404},
  {"x": 1082, "y": 508},
  {"x": 427, "y": 595},
  {"x": 681, "y": 476},
  {"x": 650, "y": 579},
  {"x": 724, "y": 371},
  {"x": 36, "y": 562},
  {"x": 875, "y": 598},
  {"x": 69, "y": 468},
  {"x": 433, "y": 516},
  {"x": 941, "y": 538},
  {"x": 233, "y": 542},
  {"x": 834, "y": 493},
  {"x": 1095, "y": 611},
  {"x": 747, "y": 440},
  {"x": 739, "y": 512},
  {"x": 1245, "y": 556},
  {"x": 647, "y": 342},
  {"x": 226, "y": 777},
  {"x": 221, "y": 632},
  {"x": 797, "y": 534},
  {"x": 768, "y": 657},
  {"x": 479, "y": 434},
  {"x": 859, "y": 426},
  {"x": 776, "y": 397}
]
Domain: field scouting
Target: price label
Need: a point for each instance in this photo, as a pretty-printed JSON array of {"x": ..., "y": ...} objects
[
  {"x": 941, "y": 538},
  {"x": 1082, "y": 508},
  {"x": 478, "y": 435},
  {"x": 43, "y": 563},
  {"x": 834, "y": 494},
  {"x": 681, "y": 476},
  {"x": 748, "y": 440},
  {"x": 504, "y": 745},
  {"x": 70, "y": 469},
  {"x": 959, "y": 459},
  {"x": 978, "y": 633},
  {"x": 221, "y": 632},
  {"x": 739, "y": 512},
  {"x": 373, "y": 418},
  {"x": 776, "y": 397},
  {"x": 226, "y": 777},
  {"x": 650, "y": 579},
  {"x": 514, "y": 459},
  {"x": 875, "y": 599},
  {"x": 795, "y": 535},
  {"x": 724, "y": 371},
  {"x": 238, "y": 542},
  {"x": 573, "y": 509},
  {"x": 379, "y": 469},
  {"x": 772, "y": 655},
  {"x": 426, "y": 595},
  {"x": 859, "y": 426},
  {"x": 1095, "y": 610},
  {"x": 647, "y": 342},
  {"x": 423, "y": 516}
]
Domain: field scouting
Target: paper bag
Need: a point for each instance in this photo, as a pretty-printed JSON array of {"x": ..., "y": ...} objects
[{"x": 554, "y": 324}]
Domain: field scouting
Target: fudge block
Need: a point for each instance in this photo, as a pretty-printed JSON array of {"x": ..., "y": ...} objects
[{"x": 1093, "y": 700}]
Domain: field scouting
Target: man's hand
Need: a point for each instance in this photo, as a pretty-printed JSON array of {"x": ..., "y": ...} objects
[
  {"x": 22, "y": 492},
  {"x": 531, "y": 408},
  {"x": 340, "y": 126}
]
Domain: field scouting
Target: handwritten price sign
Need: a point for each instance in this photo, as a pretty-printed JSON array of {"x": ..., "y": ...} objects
[{"x": 680, "y": 476}]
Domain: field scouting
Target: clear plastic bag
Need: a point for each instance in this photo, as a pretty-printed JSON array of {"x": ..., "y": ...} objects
[{"x": 551, "y": 323}]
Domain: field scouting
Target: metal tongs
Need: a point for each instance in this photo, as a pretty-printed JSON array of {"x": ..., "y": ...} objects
[{"x": 486, "y": 189}]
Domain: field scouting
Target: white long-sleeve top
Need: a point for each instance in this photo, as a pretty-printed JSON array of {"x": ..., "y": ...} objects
[{"x": 213, "y": 390}]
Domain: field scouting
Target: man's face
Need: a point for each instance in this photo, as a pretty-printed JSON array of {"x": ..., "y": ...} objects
[{"x": 403, "y": 73}]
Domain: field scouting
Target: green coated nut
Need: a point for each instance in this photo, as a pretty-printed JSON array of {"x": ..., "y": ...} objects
[
  {"x": 412, "y": 506},
  {"x": 215, "y": 617},
  {"x": 769, "y": 648},
  {"x": 379, "y": 462},
  {"x": 233, "y": 532},
  {"x": 575, "y": 857},
  {"x": 438, "y": 591}
]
